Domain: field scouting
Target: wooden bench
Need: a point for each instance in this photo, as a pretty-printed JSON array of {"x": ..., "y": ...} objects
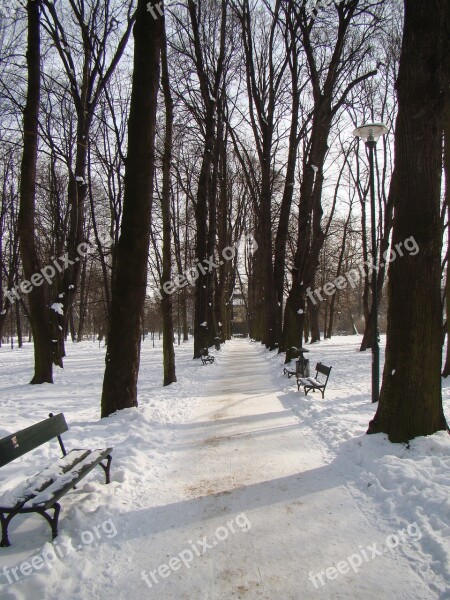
[
  {"x": 314, "y": 383},
  {"x": 206, "y": 356},
  {"x": 41, "y": 492}
]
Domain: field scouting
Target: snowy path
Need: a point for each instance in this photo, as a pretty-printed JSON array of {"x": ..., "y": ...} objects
[
  {"x": 242, "y": 452},
  {"x": 228, "y": 485}
]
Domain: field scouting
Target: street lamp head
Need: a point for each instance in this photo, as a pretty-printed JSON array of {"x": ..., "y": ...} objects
[{"x": 371, "y": 132}]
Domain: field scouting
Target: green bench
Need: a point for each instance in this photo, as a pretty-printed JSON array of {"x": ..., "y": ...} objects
[
  {"x": 319, "y": 382},
  {"x": 206, "y": 357},
  {"x": 41, "y": 492}
]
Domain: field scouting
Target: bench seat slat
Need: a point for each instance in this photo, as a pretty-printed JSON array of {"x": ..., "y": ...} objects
[
  {"x": 311, "y": 381},
  {"x": 35, "y": 484},
  {"x": 66, "y": 481},
  {"x": 315, "y": 382}
]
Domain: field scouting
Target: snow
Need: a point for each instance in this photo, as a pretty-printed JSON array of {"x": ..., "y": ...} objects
[
  {"x": 58, "y": 307},
  {"x": 228, "y": 484}
]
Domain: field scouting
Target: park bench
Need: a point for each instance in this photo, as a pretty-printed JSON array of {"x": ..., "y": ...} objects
[
  {"x": 41, "y": 492},
  {"x": 290, "y": 372},
  {"x": 314, "y": 383},
  {"x": 301, "y": 369},
  {"x": 206, "y": 356}
]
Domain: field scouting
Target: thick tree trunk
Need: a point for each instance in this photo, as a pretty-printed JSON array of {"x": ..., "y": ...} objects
[
  {"x": 446, "y": 370},
  {"x": 166, "y": 302},
  {"x": 39, "y": 312},
  {"x": 201, "y": 336},
  {"x": 130, "y": 276},
  {"x": 411, "y": 401}
]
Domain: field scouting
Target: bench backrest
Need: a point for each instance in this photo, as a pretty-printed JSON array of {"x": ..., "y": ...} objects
[
  {"x": 25, "y": 440},
  {"x": 320, "y": 368}
]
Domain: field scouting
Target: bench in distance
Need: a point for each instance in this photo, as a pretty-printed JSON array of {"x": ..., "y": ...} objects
[
  {"x": 314, "y": 383},
  {"x": 206, "y": 357}
]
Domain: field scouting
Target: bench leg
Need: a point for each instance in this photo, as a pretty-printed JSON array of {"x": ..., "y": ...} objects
[
  {"x": 107, "y": 468},
  {"x": 5, "y": 522},
  {"x": 52, "y": 521}
]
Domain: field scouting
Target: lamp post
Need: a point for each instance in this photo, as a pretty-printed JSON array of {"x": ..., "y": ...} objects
[{"x": 371, "y": 133}]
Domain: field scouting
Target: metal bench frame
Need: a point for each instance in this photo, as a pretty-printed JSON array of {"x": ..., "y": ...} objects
[
  {"x": 206, "y": 357},
  {"x": 26, "y": 440},
  {"x": 310, "y": 385}
]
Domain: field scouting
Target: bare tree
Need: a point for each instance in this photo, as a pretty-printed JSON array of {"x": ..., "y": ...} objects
[
  {"x": 346, "y": 55},
  {"x": 166, "y": 302},
  {"x": 130, "y": 269},
  {"x": 38, "y": 299}
]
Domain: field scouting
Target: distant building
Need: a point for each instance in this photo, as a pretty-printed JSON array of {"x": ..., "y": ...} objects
[{"x": 239, "y": 314}]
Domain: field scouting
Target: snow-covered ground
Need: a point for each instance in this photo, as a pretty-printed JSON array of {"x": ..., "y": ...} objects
[{"x": 228, "y": 484}]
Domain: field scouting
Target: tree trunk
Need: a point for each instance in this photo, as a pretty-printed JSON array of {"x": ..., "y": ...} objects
[
  {"x": 166, "y": 301},
  {"x": 19, "y": 326},
  {"x": 309, "y": 235},
  {"x": 130, "y": 276},
  {"x": 411, "y": 402},
  {"x": 39, "y": 312},
  {"x": 288, "y": 193},
  {"x": 446, "y": 371},
  {"x": 313, "y": 313}
]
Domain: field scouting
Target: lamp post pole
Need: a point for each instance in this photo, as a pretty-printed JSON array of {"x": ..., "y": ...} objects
[
  {"x": 370, "y": 134},
  {"x": 371, "y": 145}
]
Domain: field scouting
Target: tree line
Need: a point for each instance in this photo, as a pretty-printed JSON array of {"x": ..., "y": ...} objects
[{"x": 140, "y": 142}]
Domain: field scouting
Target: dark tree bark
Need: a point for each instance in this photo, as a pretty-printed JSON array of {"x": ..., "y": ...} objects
[
  {"x": 166, "y": 301},
  {"x": 130, "y": 276},
  {"x": 446, "y": 370},
  {"x": 223, "y": 237},
  {"x": 39, "y": 311},
  {"x": 410, "y": 400},
  {"x": 19, "y": 326}
]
